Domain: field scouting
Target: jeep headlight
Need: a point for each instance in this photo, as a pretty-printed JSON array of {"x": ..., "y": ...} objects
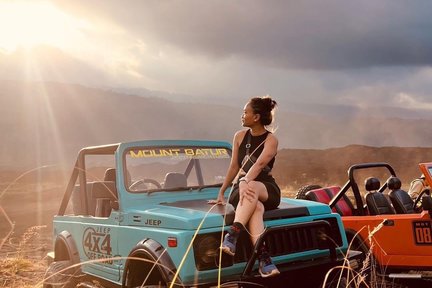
[{"x": 206, "y": 251}]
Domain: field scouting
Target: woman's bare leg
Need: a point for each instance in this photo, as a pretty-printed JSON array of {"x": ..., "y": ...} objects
[
  {"x": 256, "y": 223},
  {"x": 249, "y": 213},
  {"x": 248, "y": 204}
]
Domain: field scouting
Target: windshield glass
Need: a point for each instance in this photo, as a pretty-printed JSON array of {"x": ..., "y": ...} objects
[{"x": 175, "y": 168}]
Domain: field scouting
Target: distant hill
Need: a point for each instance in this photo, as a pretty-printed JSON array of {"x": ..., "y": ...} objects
[
  {"x": 48, "y": 123},
  {"x": 295, "y": 168}
]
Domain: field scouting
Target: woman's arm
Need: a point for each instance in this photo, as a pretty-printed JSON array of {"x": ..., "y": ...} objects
[{"x": 233, "y": 167}]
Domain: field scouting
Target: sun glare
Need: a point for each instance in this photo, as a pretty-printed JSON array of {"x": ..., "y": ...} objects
[{"x": 30, "y": 23}]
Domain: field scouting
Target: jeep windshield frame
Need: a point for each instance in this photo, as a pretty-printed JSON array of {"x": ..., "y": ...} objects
[
  {"x": 426, "y": 169},
  {"x": 149, "y": 169}
]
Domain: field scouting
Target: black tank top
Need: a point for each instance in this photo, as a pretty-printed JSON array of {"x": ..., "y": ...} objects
[{"x": 255, "y": 142}]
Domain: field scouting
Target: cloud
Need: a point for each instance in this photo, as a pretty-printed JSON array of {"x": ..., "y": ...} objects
[
  {"x": 335, "y": 52},
  {"x": 411, "y": 101},
  {"x": 406, "y": 88},
  {"x": 325, "y": 35}
]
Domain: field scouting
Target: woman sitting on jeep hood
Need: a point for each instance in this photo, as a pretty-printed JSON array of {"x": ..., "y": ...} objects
[{"x": 255, "y": 190}]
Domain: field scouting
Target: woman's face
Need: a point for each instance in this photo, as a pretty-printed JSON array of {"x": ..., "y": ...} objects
[{"x": 248, "y": 117}]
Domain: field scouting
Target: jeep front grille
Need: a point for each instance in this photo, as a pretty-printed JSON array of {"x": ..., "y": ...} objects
[
  {"x": 293, "y": 239},
  {"x": 281, "y": 240}
]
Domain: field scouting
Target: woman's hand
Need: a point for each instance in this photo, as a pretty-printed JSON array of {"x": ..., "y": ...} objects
[
  {"x": 220, "y": 200},
  {"x": 246, "y": 192}
]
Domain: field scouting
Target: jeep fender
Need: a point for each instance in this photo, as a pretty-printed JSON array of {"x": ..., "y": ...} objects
[
  {"x": 153, "y": 251},
  {"x": 65, "y": 248}
]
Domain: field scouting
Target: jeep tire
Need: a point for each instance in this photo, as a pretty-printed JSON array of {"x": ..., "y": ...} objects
[
  {"x": 59, "y": 275},
  {"x": 301, "y": 193}
]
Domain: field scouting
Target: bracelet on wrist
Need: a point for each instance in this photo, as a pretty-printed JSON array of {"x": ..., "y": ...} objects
[{"x": 244, "y": 179}]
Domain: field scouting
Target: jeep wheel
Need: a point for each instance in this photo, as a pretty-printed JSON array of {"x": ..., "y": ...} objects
[
  {"x": 59, "y": 274},
  {"x": 301, "y": 193},
  {"x": 142, "y": 273}
]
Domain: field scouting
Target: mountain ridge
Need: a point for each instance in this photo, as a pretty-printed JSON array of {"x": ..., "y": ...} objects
[{"x": 48, "y": 122}]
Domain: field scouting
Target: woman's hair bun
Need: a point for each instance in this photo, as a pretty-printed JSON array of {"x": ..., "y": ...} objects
[
  {"x": 264, "y": 106},
  {"x": 269, "y": 103}
]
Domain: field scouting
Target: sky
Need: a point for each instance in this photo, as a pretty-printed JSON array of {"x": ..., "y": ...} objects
[{"x": 332, "y": 52}]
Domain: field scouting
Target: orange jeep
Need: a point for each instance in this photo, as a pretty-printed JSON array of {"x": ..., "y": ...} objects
[{"x": 382, "y": 219}]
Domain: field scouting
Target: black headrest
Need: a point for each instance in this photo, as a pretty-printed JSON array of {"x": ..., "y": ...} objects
[
  {"x": 110, "y": 175},
  {"x": 394, "y": 183},
  {"x": 372, "y": 184},
  {"x": 175, "y": 180}
]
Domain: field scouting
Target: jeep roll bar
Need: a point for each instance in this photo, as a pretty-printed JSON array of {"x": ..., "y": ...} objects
[
  {"x": 79, "y": 171},
  {"x": 353, "y": 184}
]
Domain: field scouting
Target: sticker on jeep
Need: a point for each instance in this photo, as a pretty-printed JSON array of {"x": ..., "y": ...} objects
[
  {"x": 97, "y": 244},
  {"x": 422, "y": 232},
  {"x": 181, "y": 153}
]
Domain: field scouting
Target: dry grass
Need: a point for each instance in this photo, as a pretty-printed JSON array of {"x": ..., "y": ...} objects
[{"x": 22, "y": 263}]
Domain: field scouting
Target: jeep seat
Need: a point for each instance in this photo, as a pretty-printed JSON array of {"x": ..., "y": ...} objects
[
  {"x": 110, "y": 175},
  {"x": 175, "y": 180},
  {"x": 102, "y": 193},
  {"x": 376, "y": 202},
  {"x": 402, "y": 202},
  {"x": 324, "y": 195}
]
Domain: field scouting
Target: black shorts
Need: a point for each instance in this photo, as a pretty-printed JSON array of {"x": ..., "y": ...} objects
[{"x": 272, "y": 202}]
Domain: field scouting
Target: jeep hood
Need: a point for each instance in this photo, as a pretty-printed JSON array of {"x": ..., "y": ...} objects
[{"x": 189, "y": 214}]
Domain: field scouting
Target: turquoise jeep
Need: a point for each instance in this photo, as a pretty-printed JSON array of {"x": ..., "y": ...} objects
[{"x": 136, "y": 215}]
